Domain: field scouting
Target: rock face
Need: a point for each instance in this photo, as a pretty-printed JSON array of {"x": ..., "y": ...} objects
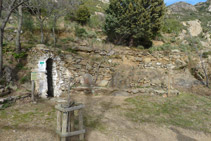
[
  {"x": 180, "y": 7},
  {"x": 194, "y": 27}
]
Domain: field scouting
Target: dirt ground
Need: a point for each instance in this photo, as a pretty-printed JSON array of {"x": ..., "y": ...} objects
[{"x": 104, "y": 121}]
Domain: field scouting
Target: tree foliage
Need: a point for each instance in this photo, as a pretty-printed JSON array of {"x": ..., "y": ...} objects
[
  {"x": 134, "y": 22},
  {"x": 83, "y": 14}
]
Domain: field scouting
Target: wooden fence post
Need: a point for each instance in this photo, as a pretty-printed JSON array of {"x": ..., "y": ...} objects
[
  {"x": 80, "y": 118},
  {"x": 33, "y": 87},
  {"x": 65, "y": 122}
]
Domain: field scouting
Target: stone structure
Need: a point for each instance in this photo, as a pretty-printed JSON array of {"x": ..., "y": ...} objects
[
  {"x": 59, "y": 76},
  {"x": 102, "y": 71}
]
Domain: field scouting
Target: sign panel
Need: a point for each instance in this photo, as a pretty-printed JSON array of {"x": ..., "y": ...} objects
[
  {"x": 33, "y": 75},
  {"x": 42, "y": 66}
]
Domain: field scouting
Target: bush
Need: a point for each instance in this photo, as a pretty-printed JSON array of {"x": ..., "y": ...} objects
[
  {"x": 172, "y": 26},
  {"x": 206, "y": 54},
  {"x": 19, "y": 55},
  {"x": 96, "y": 21},
  {"x": 80, "y": 32},
  {"x": 25, "y": 79},
  {"x": 70, "y": 16},
  {"x": 134, "y": 22},
  {"x": 82, "y": 14}
]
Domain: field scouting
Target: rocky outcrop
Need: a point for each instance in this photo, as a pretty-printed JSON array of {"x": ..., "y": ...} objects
[
  {"x": 194, "y": 27},
  {"x": 181, "y": 7}
]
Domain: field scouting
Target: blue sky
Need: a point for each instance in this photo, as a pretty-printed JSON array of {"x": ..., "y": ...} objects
[{"x": 169, "y": 2}]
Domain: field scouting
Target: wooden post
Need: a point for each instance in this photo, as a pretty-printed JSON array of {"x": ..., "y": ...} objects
[
  {"x": 64, "y": 125},
  {"x": 65, "y": 122},
  {"x": 59, "y": 122},
  {"x": 80, "y": 116},
  {"x": 32, "y": 94},
  {"x": 169, "y": 83},
  {"x": 72, "y": 119}
]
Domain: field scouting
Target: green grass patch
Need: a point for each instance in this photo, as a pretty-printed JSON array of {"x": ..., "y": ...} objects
[
  {"x": 186, "y": 111},
  {"x": 94, "y": 122}
]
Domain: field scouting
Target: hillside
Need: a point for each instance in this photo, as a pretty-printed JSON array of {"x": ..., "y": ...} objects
[{"x": 129, "y": 93}]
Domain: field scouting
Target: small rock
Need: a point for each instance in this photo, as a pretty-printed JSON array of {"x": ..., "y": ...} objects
[
  {"x": 135, "y": 91},
  {"x": 13, "y": 87},
  {"x": 120, "y": 93},
  {"x": 158, "y": 64},
  {"x": 175, "y": 51},
  {"x": 147, "y": 60},
  {"x": 103, "y": 83},
  {"x": 160, "y": 92},
  {"x": 111, "y": 53}
]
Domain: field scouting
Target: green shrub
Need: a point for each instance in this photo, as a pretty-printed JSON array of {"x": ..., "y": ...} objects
[
  {"x": 163, "y": 47},
  {"x": 19, "y": 55},
  {"x": 80, "y": 32},
  {"x": 25, "y": 79},
  {"x": 82, "y": 14},
  {"x": 172, "y": 26},
  {"x": 206, "y": 54},
  {"x": 68, "y": 39},
  {"x": 91, "y": 34},
  {"x": 140, "y": 47},
  {"x": 96, "y": 21},
  {"x": 70, "y": 16},
  {"x": 20, "y": 66}
]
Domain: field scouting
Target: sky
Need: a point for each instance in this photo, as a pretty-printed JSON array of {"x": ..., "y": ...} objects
[{"x": 169, "y": 2}]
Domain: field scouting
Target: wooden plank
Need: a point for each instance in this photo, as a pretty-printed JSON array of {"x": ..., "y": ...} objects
[
  {"x": 81, "y": 126},
  {"x": 69, "y": 134},
  {"x": 59, "y": 123},
  {"x": 64, "y": 125},
  {"x": 59, "y": 120},
  {"x": 69, "y": 109},
  {"x": 72, "y": 119},
  {"x": 33, "y": 87}
]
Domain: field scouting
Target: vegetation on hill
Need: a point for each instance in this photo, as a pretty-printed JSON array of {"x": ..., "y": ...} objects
[{"x": 134, "y": 22}]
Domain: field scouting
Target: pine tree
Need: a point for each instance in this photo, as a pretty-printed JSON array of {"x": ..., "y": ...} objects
[{"x": 134, "y": 22}]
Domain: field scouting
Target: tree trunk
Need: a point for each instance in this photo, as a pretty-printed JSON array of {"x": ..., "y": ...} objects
[
  {"x": 0, "y": 7},
  {"x": 205, "y": 71},
  {"x": 42, "y": 34},
  {"x": 131, "y": 42},
  {"x": 54, "y": 36},
  {"x": 18, "y": 36},
  {"x": 1, "y": 53},
  {"x": 54, "y": 33}
]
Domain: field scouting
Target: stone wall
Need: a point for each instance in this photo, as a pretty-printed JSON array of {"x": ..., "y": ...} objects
[
  {"x": 127, "y": 69},
  {"x": 60, "y": 74}
]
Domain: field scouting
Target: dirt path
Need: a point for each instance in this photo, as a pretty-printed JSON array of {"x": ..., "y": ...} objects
[
  {"x": 118, "y": 128},
  {"x": 105, "y": 121}
]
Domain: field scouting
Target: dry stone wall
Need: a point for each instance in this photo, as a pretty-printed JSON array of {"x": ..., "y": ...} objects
[{"x": 131, "y": 70}]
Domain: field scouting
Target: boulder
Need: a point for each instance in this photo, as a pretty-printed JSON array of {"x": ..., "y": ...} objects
[{"x": 194, "y": 27}]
